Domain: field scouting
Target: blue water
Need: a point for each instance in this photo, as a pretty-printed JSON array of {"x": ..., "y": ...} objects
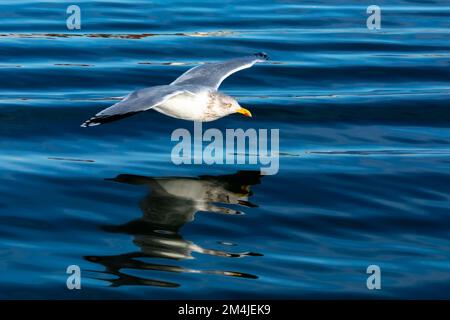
[{"x": 364, "y": 140}]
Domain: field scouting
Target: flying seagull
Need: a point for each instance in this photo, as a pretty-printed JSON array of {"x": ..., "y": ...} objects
[{"x": 193, "y": 96}]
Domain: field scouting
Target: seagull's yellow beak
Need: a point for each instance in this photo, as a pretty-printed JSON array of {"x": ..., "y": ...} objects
[{"x": 244, "y": 111}]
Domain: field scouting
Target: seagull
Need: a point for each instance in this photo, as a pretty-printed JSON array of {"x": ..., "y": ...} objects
[{"x": 193, "y": 96}]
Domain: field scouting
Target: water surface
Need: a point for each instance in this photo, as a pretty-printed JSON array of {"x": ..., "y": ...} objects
[{"x": 364, "y": 136}]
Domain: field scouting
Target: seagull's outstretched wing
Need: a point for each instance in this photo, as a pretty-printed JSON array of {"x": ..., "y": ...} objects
[
  {"x": 212, "y": 74},
  {"x": 138, "y": 101}
]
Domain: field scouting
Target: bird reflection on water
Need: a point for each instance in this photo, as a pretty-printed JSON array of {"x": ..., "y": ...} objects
[{"x": 171, "y": 203}]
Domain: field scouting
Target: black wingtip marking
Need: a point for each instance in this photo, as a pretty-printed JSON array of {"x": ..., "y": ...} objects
[
  {"x": 90, "y": 123},
  {"x": 262, "y": 55},
  {"x": 95, "y": 121}
]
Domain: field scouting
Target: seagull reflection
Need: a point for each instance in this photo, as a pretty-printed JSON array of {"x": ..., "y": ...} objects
[{"x": 171, "y": 203}]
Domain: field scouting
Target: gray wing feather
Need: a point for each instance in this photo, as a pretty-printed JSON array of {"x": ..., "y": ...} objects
[
  {"x": 212, "y": 74},
  {"x": 137, "y": 101}
]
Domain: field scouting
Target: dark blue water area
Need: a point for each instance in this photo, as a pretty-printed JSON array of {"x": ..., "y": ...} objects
[{"x": 364, "y": 167}]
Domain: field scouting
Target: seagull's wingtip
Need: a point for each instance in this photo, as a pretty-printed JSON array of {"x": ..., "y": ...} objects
[
  {"x": 262, "y": 55},
  {"x": 89, "y": 123}
]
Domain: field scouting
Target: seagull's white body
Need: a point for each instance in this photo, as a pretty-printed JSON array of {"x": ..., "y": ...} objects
[
  {"x": 176, "y": 107},
  {"x": 192, "y": 96}
]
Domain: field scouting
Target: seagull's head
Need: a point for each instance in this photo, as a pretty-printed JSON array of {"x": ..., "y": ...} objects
[{"x": 229, "y": 105}]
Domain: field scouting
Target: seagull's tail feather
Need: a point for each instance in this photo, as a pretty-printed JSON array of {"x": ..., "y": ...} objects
[{"x": 98, "y": 120}]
